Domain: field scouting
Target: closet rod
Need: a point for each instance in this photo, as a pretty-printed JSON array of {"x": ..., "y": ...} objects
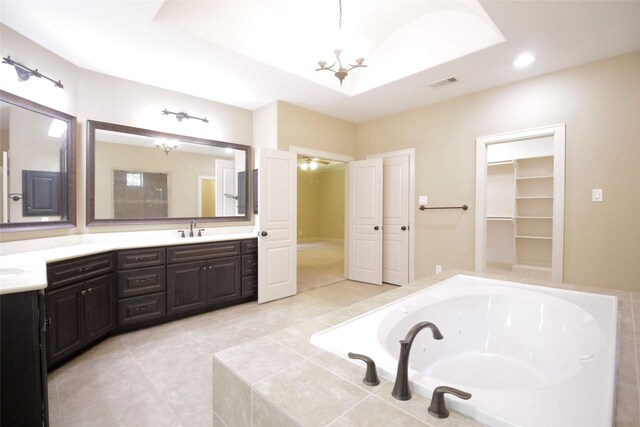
[{"x": 463, "y": 207}]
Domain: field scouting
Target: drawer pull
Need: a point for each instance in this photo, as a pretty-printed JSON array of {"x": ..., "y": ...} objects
[
  {"x": 90, "y": 290},
  {"x": 143, "y": 307},
  {"x": 83, "y": 292},
  {"x": 83, "y": 269},
  {"x": 145, "y": 280},
  {"x": 141, "y": 258}
]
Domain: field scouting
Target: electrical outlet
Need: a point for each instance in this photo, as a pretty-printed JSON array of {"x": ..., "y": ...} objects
[{"x": 438, "y": 269}]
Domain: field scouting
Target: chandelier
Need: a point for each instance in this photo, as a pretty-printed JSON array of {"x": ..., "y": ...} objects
[
  {"x": 166, "y": 145},
  {"x": 341, "y": 72}
]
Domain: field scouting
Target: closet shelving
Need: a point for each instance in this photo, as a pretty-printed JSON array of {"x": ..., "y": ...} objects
[{"x": 520, "y": 215}]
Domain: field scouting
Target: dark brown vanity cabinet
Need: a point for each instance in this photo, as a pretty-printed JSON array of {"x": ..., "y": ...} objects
[
  {"x": 81, "y": 311},
  {"x": 211, "y": 278},
  {"x": 141, "y": 287},
  {"x": 23, "y": 374},
  {"x": 250, "y": 268}
]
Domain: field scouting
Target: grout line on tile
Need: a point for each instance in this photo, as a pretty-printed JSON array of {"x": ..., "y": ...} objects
[
  {"x": 158, "y": 392},
  {"x": 372, "y": 391},
  {"x": 347, "y": 411}
]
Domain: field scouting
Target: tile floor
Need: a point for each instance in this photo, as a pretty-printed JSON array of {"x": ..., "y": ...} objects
[{"x": 163, "y": 376}]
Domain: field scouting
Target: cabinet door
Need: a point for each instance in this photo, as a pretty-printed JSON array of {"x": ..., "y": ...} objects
[
  {"x": 186, "y": 286},
  {"x": 223, "y": 280},
  {"x": 65, "y": 311},
  {"x": 99, "y": 306}
]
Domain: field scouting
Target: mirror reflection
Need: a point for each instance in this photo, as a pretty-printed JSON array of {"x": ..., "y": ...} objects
[
  {"x": 34, "y": 162},
  {"x": 155, "y": 176}
]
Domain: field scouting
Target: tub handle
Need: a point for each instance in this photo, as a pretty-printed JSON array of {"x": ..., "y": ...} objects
[
  {"x": 438, "y": 407},
  {"x": 371, "y": 377}
]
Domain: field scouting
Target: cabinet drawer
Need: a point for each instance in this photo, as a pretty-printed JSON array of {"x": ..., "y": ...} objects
[
  {"x": 249, "y": 265},
  {"x": 141, "y": 281},
  {"x": 203, "y": 251},
  {"x": 250, "y": 246},
  {"x": 249, "y": 286},
  {"x": 136, "y": 310},
  {"x": 138, "y": 258},
  {"x": 65, "y": 272}
]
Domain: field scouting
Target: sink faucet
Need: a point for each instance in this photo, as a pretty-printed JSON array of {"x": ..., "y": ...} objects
[
  {"x": 401, "y": 388},
  {"x": 191, "y": 227}
]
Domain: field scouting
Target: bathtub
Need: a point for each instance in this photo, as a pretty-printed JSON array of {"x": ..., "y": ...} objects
[{"x": 529, "y": 355}]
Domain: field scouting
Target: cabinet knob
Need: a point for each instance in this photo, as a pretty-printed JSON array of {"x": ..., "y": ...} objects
[
  {"x": 82, "y": 292},
  {"x": 403, "y": 228},
  {"x": 90, "y": 290},
  {"x": 263, "y": 234},
  {"x": 211, "y": 267},
  {"x": 376, "y": 228},
  {"x": 204, "y": 268}
]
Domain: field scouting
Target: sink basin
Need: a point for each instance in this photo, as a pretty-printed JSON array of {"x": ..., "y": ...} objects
[{"x": 4, "y": 272}]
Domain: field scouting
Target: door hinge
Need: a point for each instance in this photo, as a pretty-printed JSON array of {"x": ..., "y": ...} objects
[{"x": 47, "y": 323}]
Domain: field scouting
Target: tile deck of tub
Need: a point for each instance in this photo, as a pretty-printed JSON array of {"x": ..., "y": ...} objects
[{"x": 280, "y": 379}]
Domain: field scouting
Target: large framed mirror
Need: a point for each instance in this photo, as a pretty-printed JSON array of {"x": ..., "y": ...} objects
[
  {"x": 38, "y": 179},
  {"x": 141, "y": 176}
]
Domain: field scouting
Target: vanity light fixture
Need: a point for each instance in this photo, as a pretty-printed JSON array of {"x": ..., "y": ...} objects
[
  {"x": 181, "y": 116},
  {"x": 311, "y": 164},
  {"x": 166, "y": 145},
  {"x": 341, "y": 72},
  {"x": 24, "y": 73},
  {"x": 524, "y": 60}
]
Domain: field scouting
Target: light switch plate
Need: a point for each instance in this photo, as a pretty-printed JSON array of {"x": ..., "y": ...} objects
[
  {"x": 596, "y": 195},
  {"x": 423, "y": 200}
]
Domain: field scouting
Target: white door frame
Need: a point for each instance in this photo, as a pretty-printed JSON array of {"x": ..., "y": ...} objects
[
  {"x": 411, "y": 152},
  {"x": 558, "y": 134},
  {"x": 326, "y": 155}
]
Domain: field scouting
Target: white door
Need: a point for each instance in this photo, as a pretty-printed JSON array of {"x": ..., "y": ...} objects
[
  {"x": 225, "y": 188},
  {"x": 365, "y": 221},
  {"x": 277, "y": 206},
  {"x": 395, "y": 220}
]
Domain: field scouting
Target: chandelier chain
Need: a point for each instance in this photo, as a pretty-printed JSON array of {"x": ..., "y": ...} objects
[{"x": 340, "y": 20}]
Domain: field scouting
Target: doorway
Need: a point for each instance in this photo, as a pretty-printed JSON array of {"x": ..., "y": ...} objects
[{"x": 321, "y": 197}]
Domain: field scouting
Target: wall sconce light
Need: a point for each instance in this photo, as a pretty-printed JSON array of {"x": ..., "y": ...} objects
[
  {"x": 24, "y": 73},
  {"x": 181, "y": 116},
  {"x": 166, "y": 145}
]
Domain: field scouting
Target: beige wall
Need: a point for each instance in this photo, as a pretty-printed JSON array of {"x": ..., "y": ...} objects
[
  {"x": 94, "y": 96},
  {"x": 305, "y": 128},
  {"x": 600, "y": 105},
  {"x": 321, "y": 206}
]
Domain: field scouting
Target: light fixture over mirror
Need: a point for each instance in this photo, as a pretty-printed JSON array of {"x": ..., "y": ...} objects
[
  {"x": 37, "y": 166},
  {"x": 131, "y": 181}
]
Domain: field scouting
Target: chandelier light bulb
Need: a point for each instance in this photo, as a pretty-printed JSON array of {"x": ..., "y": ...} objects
[
  {"x": 304, "y": 166},
  {"x": 313, "y": 166}
]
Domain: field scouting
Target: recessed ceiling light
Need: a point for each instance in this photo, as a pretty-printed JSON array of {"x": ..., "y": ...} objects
[{"x": 524, "y": 60}]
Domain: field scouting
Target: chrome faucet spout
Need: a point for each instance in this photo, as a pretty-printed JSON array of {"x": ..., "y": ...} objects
[
  {"x": 191, "y": 227},
  {"x": 401, "y": 389}
]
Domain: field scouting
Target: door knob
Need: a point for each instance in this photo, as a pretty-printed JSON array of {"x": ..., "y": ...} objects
[
  {"x": 376, "y": 228},
  {"x": 403, "y": 228},
  {"x": 264, "y": 233}
]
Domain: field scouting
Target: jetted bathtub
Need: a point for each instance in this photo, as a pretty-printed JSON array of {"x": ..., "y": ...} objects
[{"x": 529, "y": 355}]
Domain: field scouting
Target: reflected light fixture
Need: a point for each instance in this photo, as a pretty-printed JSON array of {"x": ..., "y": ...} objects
[
  {"x": 166, "y": 145},
  {"x": 24, "y": 73},
  {"x": 181, "y": 116},
  {"x": 341, "y": 71},
  {"x": 57, "y": 128},
  {"x": 524, "y": 60}
]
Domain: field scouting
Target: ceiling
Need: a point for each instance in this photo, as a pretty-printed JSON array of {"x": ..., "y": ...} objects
[{"x": 250, "y": 53}]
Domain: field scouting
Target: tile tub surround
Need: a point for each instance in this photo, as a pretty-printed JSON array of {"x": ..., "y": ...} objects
[{"x": 288, "y": 386}]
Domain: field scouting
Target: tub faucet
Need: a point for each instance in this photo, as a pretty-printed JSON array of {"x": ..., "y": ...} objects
[
  {"x": 191, "y": 227},
  {"x": 401, "y": 388}
]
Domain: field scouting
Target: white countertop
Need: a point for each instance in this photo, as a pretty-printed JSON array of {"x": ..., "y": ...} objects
[{"x": 27, "y": 271}]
